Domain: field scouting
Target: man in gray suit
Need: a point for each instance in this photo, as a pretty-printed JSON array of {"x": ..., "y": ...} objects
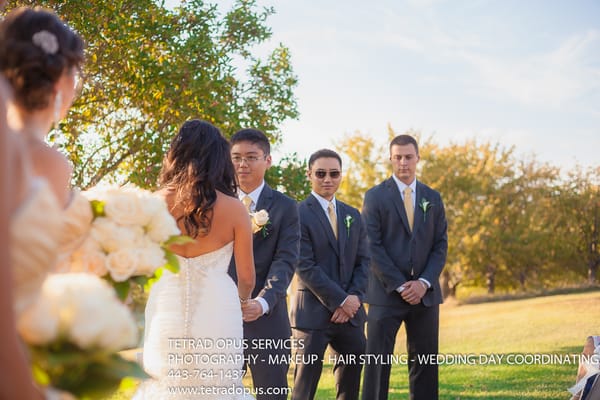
[
  {"x": 266, "y": 323},
  {"x": 407, "y": 230},
  {"x": 332, "y": 272}
]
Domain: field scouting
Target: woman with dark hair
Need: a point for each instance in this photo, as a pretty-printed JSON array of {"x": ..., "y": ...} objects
[
  {"x": 193, "y": 334},
  {"x": 40, "y": 57}
]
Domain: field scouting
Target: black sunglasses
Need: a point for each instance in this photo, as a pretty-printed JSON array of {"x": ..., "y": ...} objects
[{"x": 322, "y": 174}]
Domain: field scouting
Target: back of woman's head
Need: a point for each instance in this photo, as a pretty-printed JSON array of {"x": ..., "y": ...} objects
[
  {"x": 198, "y": 164},
  {"x": 36, "y": 48}
]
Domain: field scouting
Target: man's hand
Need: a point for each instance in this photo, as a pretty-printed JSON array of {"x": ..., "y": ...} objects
[
  {"x": 339, "y": 316},
  {"x": 413, "y": 292},
  {"x": 251, "y": 310},
  {"x": 351, "y": 305}
]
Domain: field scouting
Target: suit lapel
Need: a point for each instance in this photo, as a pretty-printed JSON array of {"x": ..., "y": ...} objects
[
  {"x": 396, "y": 199},
  {"x": 342, "y": 231},
  {"x": 265, "y": 201},
  {"x": 343, "y": 238},
  {"x": 418, "y": 210},
  {"x": 318, "y": 211}
]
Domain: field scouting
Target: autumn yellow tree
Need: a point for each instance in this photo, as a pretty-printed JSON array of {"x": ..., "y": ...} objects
[{"x": 367, "y": 163}]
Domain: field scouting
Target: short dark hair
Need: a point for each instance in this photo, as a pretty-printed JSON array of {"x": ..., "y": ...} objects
[
  {"x": 253, "y": 136},
  {"x": 323, "y": 153},
  {"x": 403, "y": 140},
  {"x": 31, "y": 69}
]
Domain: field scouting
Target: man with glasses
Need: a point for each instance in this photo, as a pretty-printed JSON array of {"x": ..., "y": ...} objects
[
  {"x": 332, "y": 272},
  {"x": 266, "y": 323}
]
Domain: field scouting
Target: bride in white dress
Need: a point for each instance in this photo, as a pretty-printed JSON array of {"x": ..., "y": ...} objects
[{"x": 193, "y": 346}]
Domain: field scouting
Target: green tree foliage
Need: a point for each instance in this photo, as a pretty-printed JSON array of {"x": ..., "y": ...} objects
[
  {"x": 150, "y": 68},
  {"x": 289, "y": 176}
]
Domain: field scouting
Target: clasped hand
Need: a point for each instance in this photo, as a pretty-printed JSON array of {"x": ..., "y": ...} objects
[
  {"x": 251, "y": 310},
  {"x": 346, "y": 311},
  {"x": 413, "y": 292}
]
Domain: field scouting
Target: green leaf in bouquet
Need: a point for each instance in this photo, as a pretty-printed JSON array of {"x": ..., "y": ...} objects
[
  {"x": 153, "y": 279},
  {"x": 97, "y": 208},
  {"x": 39, "y": 375},
  {"x": 140, "y": 280},
  {"x": 178, "y": 240},
  {"x": 122, "y": 288},
  {"x": 85, "y": 374},
  {"x": 172, "y": 262}
]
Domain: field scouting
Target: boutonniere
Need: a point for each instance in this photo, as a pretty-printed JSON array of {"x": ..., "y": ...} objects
[
  {"x": 425, "y": 205},
  {"x": 260, "y": 220},
  {"x": 348, "y": 223}
]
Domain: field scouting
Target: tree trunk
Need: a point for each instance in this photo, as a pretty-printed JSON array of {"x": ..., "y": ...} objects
[
  {"x": 522, "y": 279},
  {"x": 593, "y": 272},
  {"x": 445, "y": 283},
  {"x": 491, "y": 279}
]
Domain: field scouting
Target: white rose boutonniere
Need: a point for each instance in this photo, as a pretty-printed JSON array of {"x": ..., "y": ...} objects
[
  {"x": 348, "y": 223},
  {"x": 425, "y": 205},
  {"x": 260, "y": 220}
]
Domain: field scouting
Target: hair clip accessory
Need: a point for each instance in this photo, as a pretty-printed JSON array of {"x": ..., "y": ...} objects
[{"x": 45, "y": 40}]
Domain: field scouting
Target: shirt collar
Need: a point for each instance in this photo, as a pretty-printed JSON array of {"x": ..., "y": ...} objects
[
  {"x": 401, "y": 185},
  {"x": 254, "y": 195},
  {"x": 324, "y": 202}
]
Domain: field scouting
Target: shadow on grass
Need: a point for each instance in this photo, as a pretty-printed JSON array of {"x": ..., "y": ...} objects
[{"x": 529, "y": 295}]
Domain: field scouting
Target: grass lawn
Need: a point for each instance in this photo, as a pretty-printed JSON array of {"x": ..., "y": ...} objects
[{"x": 544, "y": 325}]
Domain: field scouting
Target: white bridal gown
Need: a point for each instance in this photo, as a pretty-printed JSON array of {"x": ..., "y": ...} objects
[{"x": 193, "y": 337}]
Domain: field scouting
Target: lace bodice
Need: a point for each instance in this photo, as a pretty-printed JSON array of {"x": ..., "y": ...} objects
[
  {"x": 193, "y": 273},
  {"x": 200, "y": 303},
  {"x": 215, "y": 261}
]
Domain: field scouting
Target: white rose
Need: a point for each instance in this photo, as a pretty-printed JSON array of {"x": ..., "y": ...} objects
[
  {"x": 38, "y": 324},
  {"x": 95, "y": 263},
  {"x": 90, "y": 319},
  {"x": 98, "y": 314},
  {"x": 122, "y": 264},
  {"x": 162, "y": 226},
  {"x": 89, "y": 258},
  {"x": 112, "y": 237},
  {"x": 261, "y": 217},
  {"x": 151, "y": 204},
  {"x": 123, "y": 205},
  {"x": 122, "y": 331},
  {"x": 151, "y": 257}
]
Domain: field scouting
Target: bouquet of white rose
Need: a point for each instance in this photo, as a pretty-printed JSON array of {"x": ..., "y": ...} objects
[
  {"x": 128, "y": 241},
  {"x": 74, "y": 330}
]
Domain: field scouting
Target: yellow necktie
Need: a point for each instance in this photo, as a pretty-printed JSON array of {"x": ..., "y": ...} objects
[
  {"x": 408, "y": 206},
  {"x": 247, "y": 200},
  {"x": 332, "y": 219}
]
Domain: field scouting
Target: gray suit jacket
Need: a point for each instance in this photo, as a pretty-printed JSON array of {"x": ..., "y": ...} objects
[
  {"x": 397, "y": 255},
  {"x": 329, "y": 269}
]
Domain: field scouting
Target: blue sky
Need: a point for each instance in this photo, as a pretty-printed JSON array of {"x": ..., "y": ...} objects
[{"x": 522, "y": 73}]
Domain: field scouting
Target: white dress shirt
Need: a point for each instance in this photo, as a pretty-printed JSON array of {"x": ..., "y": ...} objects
[
  {"x": 254, "y": 195},
  {"x": 401, "y": 187}
]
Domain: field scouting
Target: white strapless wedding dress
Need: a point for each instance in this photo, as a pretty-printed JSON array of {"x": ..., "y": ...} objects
[{"x": 193, "y": 346}]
